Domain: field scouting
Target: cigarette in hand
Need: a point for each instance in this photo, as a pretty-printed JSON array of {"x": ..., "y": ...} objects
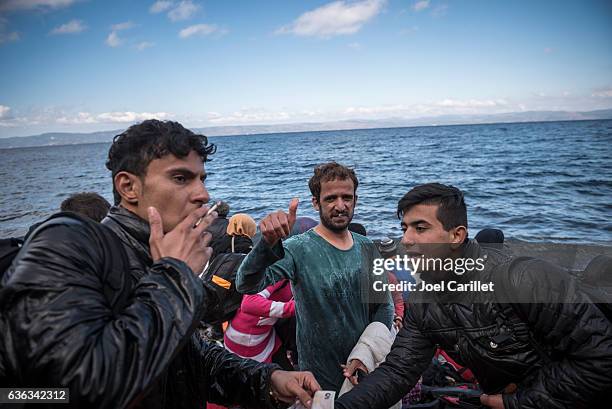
[{"x": 212, "y": 209}]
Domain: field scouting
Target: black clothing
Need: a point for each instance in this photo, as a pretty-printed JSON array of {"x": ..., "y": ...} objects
[
  {"x": 241, "y": 244},
  {"x": 83, "y": 306},
  {"x": 565, "y": 361},
  {"x": 218, "y": 229}
]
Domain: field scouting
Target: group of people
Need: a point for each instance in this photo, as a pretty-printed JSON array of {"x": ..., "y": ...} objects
[{"x": 110, "y": 309}]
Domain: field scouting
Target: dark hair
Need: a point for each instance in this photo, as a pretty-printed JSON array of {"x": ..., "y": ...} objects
[
  {"x": 327, "y": 172},
  {"x": 223, "y": 209},
  {"x": 88, "y": 204},
  {"x": 452, "y": 211},
  {"x": 134, "y": 149}
]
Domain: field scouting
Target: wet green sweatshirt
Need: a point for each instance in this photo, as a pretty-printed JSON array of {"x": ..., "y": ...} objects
[{"x": 333, "y": 294}]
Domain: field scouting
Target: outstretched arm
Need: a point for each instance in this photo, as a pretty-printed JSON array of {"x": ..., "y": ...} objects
[
  {"x": 409, "y": 356},
  {"x": 227, "y": 379},
  {"x": 268, "y": 262}
]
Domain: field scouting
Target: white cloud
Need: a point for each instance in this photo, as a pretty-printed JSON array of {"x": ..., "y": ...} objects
[
  {"x": 80, "y": 118},
  {"x": 183, "y": 11},
  {"x": 355, "y": 46},
  {"x": 337, "y": 18},
  {"x": 131, "y": 116},
  {"x": 11, "y": 5},
  {"x": 446, "y": 106},
  {"x": 71, "y": 27},
  {"x": 420, "y": 5},
  {"x": 5, "y": 35},
  {"x": 122, "y": 26},
  {"x": 8, "y": 37},
  {"x": 249, "y": 116},
  {"x": 5, "y": 112},
  {"x": 602, "y": 93},
  {"x": 113, "y": 39},
  {"x": 199, "y": 29},
  {"x": 440, "y": 11},
  {"x": 471, "y": 103},
  {"x": 110, "y": 117},
  {"x": 385, "y": 109},
  {"x": 144, "y": 45},
  {"x": 160, "y": 6}
]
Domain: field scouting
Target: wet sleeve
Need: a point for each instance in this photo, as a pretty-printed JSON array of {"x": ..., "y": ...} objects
[
  {"x": 59, "y": 327},
  {"x": 264, "y": 266},
  {"x": 227, "y": 379}
]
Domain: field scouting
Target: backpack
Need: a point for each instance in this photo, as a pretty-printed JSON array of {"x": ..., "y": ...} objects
[
  {"x": 221, "y": 273},
  {"x": 8, "y": 250}
]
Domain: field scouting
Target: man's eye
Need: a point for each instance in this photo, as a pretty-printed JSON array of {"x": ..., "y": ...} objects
[
  {"x": 180, "y": 179},
  {"x": 420, "y": 229}
]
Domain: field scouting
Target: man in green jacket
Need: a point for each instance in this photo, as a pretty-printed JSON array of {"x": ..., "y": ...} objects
[{"x": 330, "y": 269}]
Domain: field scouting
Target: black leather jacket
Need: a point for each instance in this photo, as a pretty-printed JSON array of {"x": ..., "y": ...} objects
[
  {"x": 83, "y": 306},
  {"x": 559, "y": 354}
]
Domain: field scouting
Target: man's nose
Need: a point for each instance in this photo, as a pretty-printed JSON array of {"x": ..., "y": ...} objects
[
  {"x": 408, "y": 238},
  {"x": 201, "y": 195},
  {"x": 340, "y": 204}
]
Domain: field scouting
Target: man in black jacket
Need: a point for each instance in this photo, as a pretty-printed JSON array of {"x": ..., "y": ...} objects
[
  {"x": 531, "y": 338},
  {"x": 109, "y": 310}
]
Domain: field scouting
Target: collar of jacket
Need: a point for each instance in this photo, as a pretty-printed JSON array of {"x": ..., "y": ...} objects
[
  {"x": 130, "y": 222},
  {"x": 132, "y": 230},
  {"x": 471, "y": 249}
]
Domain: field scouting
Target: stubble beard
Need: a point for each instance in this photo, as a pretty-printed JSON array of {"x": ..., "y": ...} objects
[{"x": 328, "y": 224}]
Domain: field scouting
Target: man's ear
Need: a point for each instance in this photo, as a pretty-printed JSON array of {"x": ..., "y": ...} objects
[
  {"x": 129, "y": 187},
  {"x": 315, "y": 203},
  {"x": 459, "y": 235}
]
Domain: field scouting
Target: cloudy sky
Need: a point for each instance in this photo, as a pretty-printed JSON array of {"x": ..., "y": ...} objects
[{"x": 86, "y": 65}]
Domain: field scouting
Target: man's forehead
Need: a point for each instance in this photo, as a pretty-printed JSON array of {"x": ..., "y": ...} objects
[
  {"x": 424, "y": 212},
  {"x": 192, "y": 162},
  {"x": 338, "y": 184}
]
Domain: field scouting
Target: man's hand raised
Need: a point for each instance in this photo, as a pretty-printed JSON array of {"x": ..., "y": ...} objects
[
  {"x": 278, "y": 225},
  {"x": 187, "y": 242}
]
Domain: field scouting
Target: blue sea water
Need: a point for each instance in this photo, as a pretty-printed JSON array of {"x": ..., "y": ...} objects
[{"x": 536, "y": 181}]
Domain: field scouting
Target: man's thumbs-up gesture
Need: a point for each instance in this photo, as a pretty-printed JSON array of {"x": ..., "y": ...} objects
[{"x": 278, "y": 225}]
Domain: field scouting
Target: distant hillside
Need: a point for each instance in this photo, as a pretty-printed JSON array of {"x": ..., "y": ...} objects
[{"x": 48, "y": 139}]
